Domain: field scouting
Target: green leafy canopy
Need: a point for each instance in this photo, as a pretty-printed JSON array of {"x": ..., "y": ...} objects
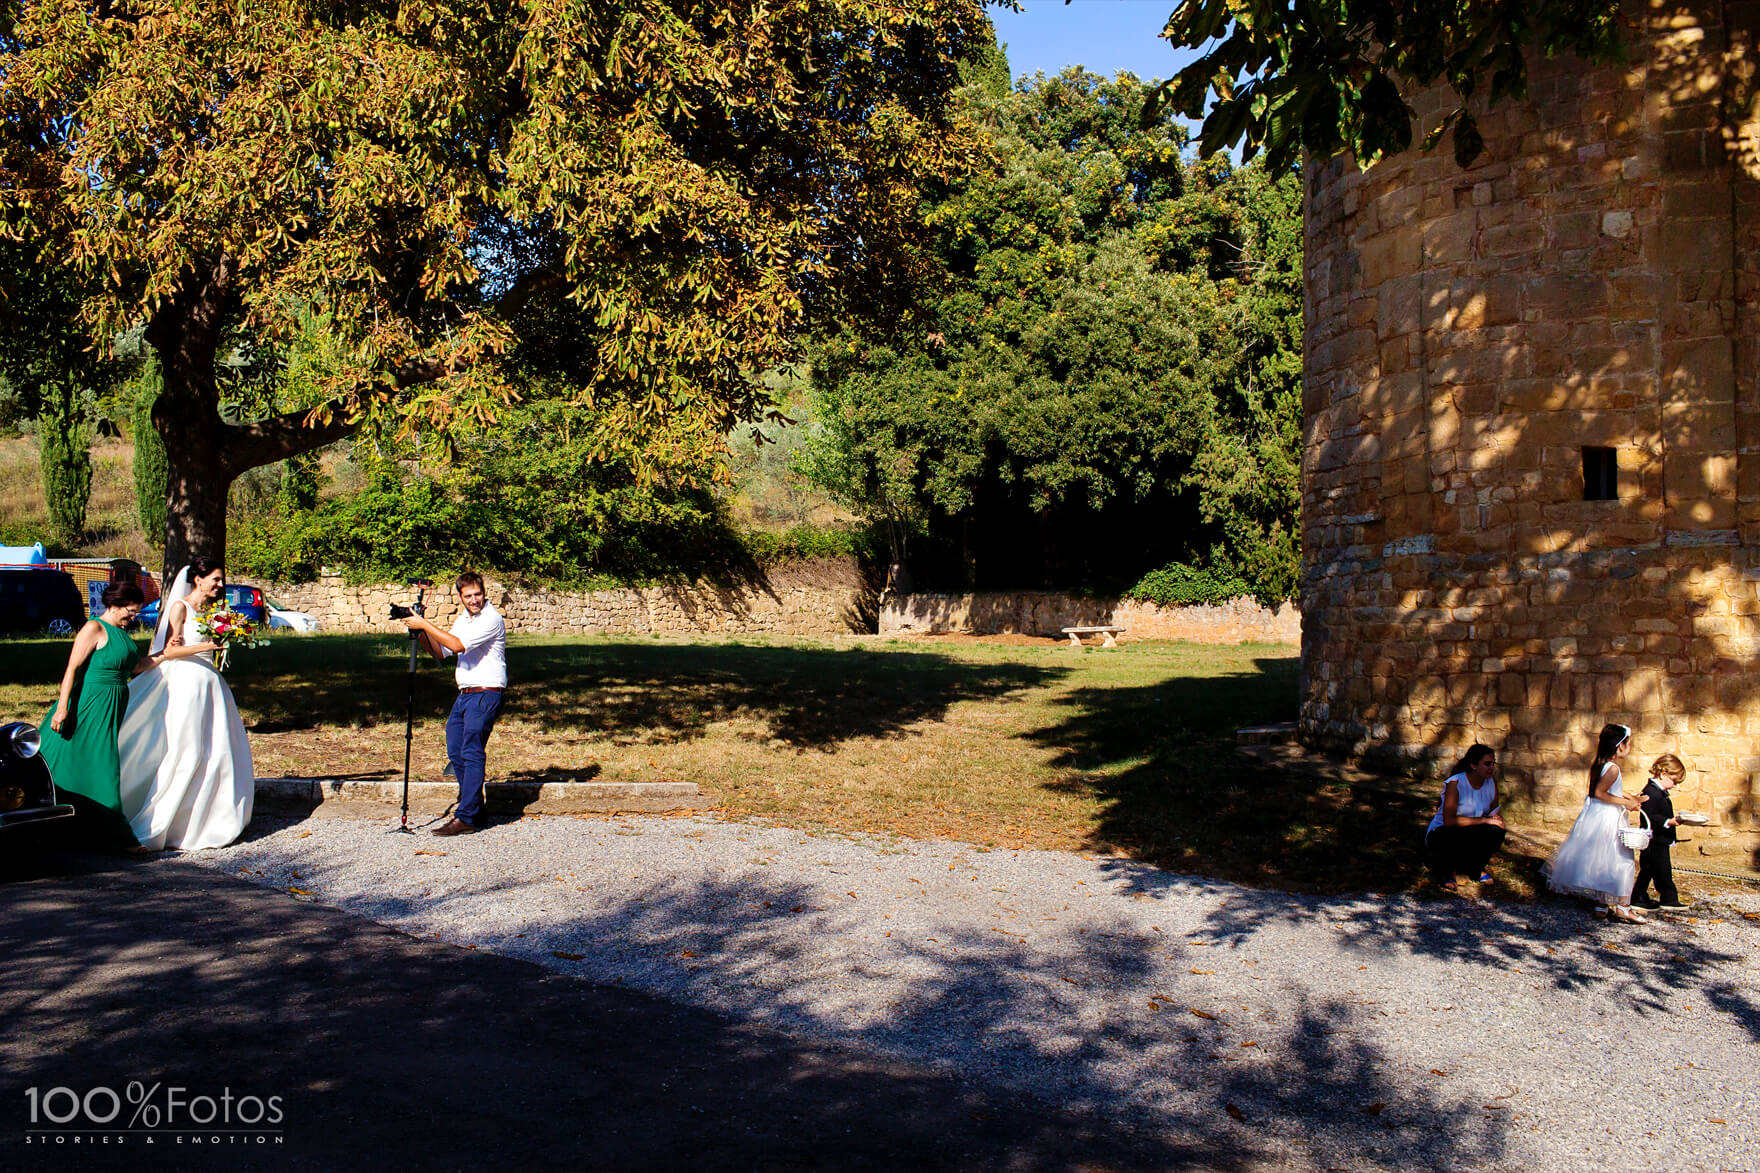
[
  {"x": 1111, "y": 380},
  {"x": 652, "y": 197},
  {"x": 1321, "y": 76}
]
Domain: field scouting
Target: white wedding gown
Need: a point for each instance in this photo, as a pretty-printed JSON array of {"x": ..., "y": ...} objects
[
  {"x": 187, "y": 777},
  {"x": 1592, "y": 861}
]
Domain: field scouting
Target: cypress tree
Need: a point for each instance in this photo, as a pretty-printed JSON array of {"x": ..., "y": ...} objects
[
  {"x": 64, "y": 446},
  {"x": 149, "y": 454}
]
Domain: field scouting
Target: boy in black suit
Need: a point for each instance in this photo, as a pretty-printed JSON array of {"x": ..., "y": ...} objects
[{"x": 1666, "y": 772}]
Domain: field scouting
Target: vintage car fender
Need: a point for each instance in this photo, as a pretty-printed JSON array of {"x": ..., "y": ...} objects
[{"x": 27, "y": 792}]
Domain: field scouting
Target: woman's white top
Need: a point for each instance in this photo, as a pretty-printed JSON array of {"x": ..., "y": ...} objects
[{"x": 1473, "y": 802}]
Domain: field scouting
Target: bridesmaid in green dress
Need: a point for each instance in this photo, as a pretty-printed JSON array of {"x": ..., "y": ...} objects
[{"x": 80, "y": 750}]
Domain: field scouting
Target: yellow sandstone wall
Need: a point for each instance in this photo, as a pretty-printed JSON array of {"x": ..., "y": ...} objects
[
  {"x": 1594, "y": 280},
  {"x": 821, "y": 598}
]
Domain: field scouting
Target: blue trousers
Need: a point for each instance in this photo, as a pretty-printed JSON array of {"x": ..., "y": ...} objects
[{"x": 467, "y": 735}]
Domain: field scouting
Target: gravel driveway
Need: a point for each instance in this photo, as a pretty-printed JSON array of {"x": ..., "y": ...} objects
[{"x": 1314, "y": 1032}]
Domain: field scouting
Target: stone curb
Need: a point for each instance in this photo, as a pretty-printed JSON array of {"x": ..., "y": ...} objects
[{"x": 500, "y": 798}]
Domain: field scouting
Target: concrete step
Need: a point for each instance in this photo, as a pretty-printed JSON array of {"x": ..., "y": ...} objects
[
  {"x": 1282, "y": 733},
  {"x": 500, "y": 798}
]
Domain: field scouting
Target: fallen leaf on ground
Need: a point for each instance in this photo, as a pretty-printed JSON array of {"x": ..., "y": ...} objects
[
  {"x": 1203, "y": 971},
  {"x": 1201, "y": 1014},
  {"x": 1235, "y": 1112},
  {"x": 426, "y": 852},
  {"x": 1375, "y": 1108},
  {"x": 568, "y": 956},
  {"x": 305, "y": 834},
  {"x": 299, "y": 891},
  {"x": 1253, "y": 1043},
  {"x": 1437, "y": 1071}
]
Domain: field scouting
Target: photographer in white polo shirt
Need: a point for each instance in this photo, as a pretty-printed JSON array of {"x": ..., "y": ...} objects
[{"x": 479, "y": 640}]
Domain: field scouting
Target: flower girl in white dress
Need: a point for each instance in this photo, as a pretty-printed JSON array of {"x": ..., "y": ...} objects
[
  {"x": 187, "y": 777},
  {"x": 1593, "y": 862}
]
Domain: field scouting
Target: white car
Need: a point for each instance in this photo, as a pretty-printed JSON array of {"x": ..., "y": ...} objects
[{"x": 292, "y": 620}]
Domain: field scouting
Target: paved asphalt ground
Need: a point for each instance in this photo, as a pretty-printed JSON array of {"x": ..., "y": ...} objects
[{"x": 391, "y": 1052}]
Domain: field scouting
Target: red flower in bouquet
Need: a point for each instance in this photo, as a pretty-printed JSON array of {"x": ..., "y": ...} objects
[{"x": 226, "y": 627}]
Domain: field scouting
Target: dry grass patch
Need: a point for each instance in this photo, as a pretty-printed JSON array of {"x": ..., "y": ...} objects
[{"x": 112, "y": 524}]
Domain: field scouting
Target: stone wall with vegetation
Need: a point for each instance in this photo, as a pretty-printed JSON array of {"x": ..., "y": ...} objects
[
  {"x": 1047, "y": 613},
  {"x": 1593, "y": 282},
  {"x": 825, "y": 597}
]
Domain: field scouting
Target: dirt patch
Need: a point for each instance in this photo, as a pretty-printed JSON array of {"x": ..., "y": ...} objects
[
  {"x": 817, "y": 574},
  {"x": 1011, "y": 639}
]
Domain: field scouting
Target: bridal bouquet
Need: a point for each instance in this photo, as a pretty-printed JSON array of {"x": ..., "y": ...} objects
[{"x": 227, "y": 627}]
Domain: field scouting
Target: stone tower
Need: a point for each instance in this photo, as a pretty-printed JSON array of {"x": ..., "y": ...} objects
[{"x": 1531, "y": 483}]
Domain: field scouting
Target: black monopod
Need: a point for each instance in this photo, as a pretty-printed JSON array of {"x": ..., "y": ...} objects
[{"x": 409, "y": 716}]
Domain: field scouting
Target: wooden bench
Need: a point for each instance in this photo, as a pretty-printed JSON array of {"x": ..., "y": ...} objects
[{"x": 1076, "y": 633}]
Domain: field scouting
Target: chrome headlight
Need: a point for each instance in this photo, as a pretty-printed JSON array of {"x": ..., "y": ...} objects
[{"x": 21, "y": 740}]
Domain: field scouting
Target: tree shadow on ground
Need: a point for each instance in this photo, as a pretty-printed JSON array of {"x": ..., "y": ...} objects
[
  {"x": 1161, "y": 759},
  {"x": 807, "y": 697},
  {"x": 378, "y": 1043},
  {"x": 1555, "y": 940},
  {"x": 1011, "y": 1018}
]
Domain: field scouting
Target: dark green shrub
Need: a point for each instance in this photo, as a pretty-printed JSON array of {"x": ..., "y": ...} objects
[{"x": 1179, "y": 585}]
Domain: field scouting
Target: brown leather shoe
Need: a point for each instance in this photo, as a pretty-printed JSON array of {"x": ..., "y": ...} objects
[{"x": 454, "y": 827}]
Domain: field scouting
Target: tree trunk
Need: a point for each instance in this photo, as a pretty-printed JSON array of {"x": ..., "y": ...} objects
[
  {"x": 196, "y": 488},
  {"x": 203, "y": 453},
  {"x": 186, "y": 335}
]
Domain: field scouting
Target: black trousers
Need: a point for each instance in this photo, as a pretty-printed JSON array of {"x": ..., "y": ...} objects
[
  {"x": 1463, "y": 851},
  {"x": 1655, "y": 864}
]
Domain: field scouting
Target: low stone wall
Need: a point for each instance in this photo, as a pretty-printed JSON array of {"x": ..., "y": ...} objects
[
  {"x": 1047, "y": 613},
  {"x": 822, "y": 598}
]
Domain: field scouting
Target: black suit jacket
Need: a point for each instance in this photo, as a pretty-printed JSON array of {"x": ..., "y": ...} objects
[{"x": 1660, "y": 807}]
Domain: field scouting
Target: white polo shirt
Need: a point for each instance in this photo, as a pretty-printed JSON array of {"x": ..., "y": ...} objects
[{"x": 483, "y": 663}]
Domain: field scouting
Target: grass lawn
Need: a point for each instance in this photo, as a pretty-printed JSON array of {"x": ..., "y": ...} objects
[{"x": 1006, "y": 745}]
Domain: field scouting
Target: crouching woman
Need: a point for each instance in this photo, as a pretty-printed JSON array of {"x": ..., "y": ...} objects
[{"x": 1467, "y": 828}]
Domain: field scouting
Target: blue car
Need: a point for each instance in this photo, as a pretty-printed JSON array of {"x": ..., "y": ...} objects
[{"x": 246, "y": 600}]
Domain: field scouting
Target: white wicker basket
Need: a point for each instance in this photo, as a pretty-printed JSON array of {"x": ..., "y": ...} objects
[{"x": 1636, "y": 838}]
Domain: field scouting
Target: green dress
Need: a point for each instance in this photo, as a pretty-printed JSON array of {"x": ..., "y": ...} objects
[{"x": 83, "y": 758}]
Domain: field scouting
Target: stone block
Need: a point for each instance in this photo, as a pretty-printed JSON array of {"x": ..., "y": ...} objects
[
  {"x": 1388, "y": 255},
  {"x": 1448, "y": 239},
  {"x": 1697, "y": 371}
]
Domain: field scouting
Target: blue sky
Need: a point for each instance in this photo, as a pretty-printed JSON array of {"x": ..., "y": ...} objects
[{"x": 1103, "y": 35}]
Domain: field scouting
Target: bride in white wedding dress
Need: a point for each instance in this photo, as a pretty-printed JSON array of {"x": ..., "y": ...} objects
[{"x": 187, "y": 777}]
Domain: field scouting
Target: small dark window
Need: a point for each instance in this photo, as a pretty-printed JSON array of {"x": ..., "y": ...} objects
[{"x": 1600, "y": 475}]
